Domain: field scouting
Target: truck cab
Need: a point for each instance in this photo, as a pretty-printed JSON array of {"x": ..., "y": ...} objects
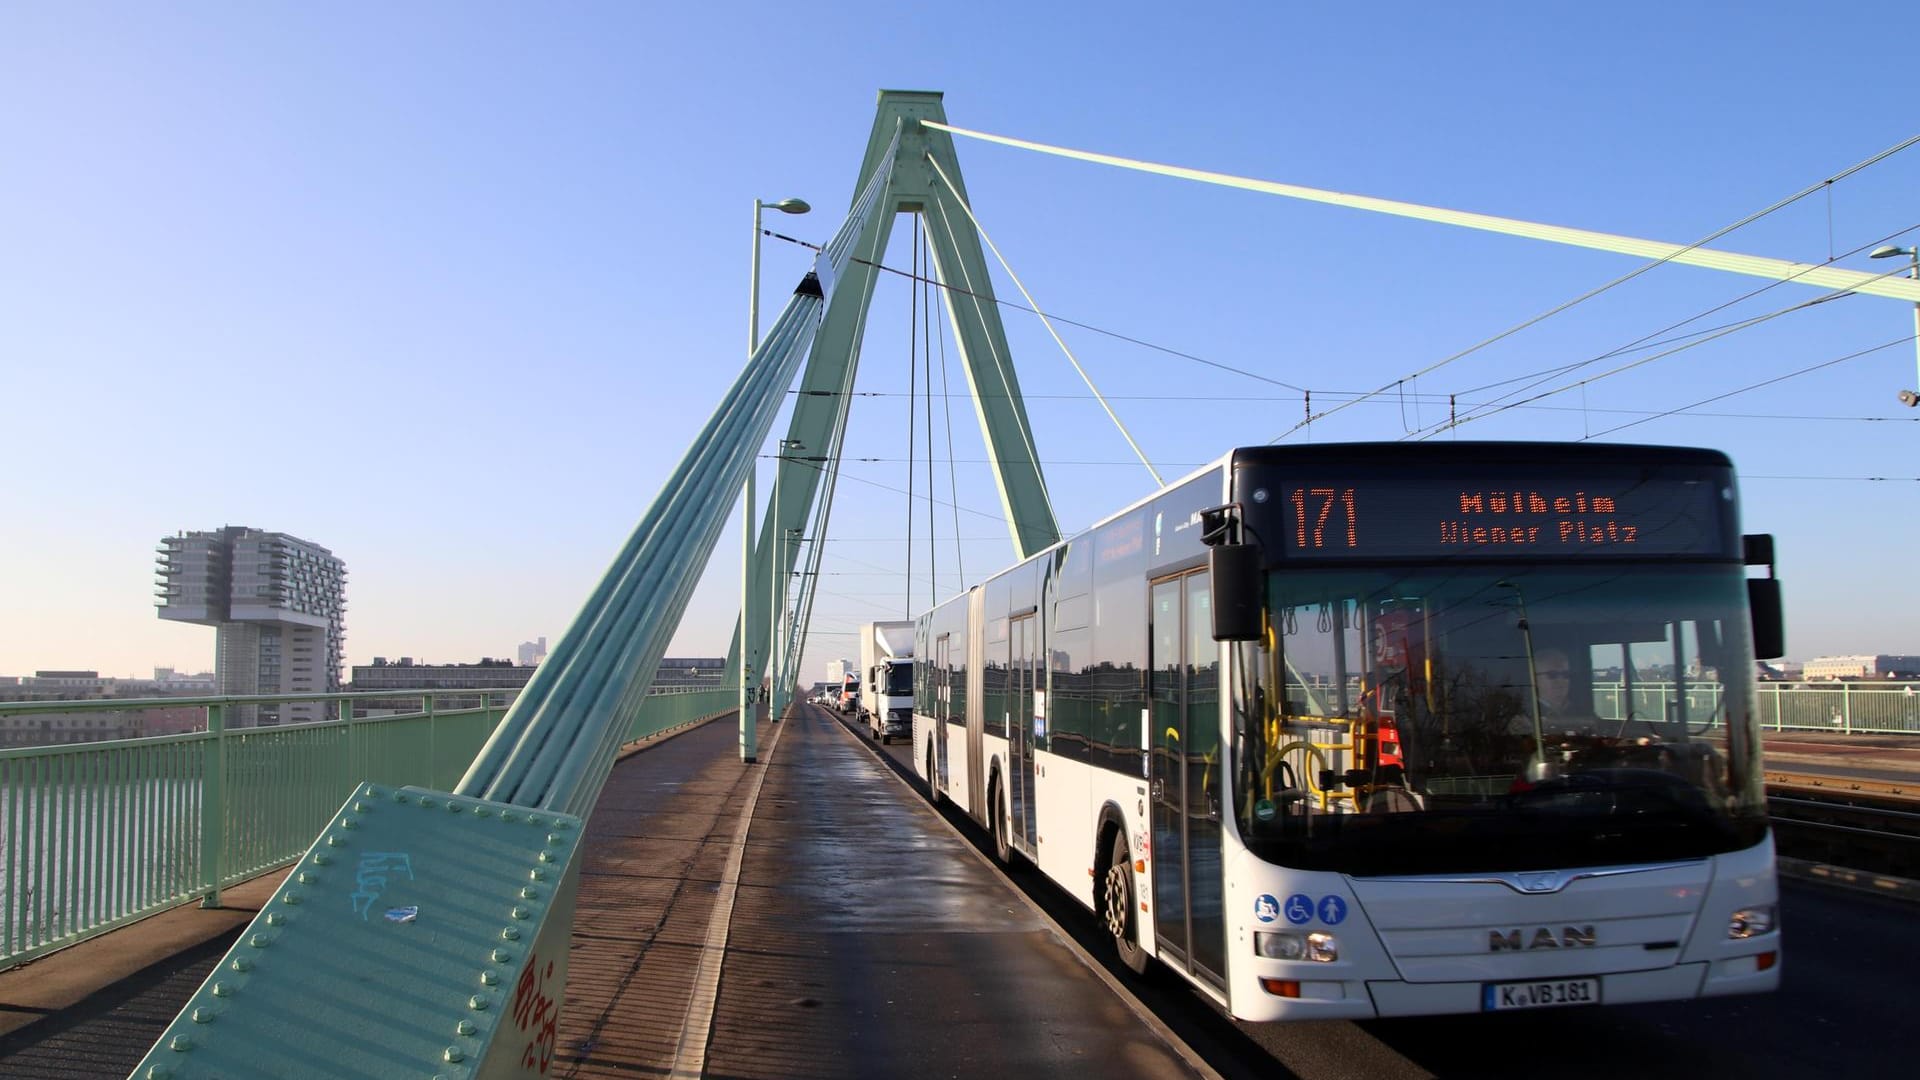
[{"x": 889, "y": 704}]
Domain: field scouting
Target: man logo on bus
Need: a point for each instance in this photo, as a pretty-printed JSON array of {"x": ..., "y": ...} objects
[{"x": 1266, "y": 908}]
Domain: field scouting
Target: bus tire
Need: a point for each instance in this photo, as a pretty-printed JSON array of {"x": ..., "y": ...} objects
[
  {"x": 997, "y": 820},
  {"x": 1118, "y": 907},
  {"x": 933, "y": 778}
]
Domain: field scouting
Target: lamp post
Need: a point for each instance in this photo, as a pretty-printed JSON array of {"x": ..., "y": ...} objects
[
  {"x": 1909, "y": 398},
  {"x": 785, "y": 206},
  {"x": 776, "y": 580}
]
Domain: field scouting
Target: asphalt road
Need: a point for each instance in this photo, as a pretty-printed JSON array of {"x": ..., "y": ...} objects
[{"x": 1846, "y": 985}]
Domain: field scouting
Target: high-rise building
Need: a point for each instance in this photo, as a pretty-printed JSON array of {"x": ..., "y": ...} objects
[
  {"x": 278, "y": 605},
  {"x": 532, "y": 653}
]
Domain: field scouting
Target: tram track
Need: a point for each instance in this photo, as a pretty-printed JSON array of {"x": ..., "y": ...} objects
[{"x": 1865, "y": 825}]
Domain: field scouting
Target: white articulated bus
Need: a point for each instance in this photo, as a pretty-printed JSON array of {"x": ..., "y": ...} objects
[{"x": 1364, "y": 730}]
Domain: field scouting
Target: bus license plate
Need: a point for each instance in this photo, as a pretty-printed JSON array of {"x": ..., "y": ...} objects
[{"x": 1540, "y": 994}]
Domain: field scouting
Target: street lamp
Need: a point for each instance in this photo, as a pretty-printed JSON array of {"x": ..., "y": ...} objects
[
  {"x": 785, "y": 206},
  {"x": 776, "y": 576},
  {"x": 1909, "y": 398}
]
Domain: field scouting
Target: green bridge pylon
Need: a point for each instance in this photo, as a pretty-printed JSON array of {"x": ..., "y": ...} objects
[{"x": 806, "y": 473}]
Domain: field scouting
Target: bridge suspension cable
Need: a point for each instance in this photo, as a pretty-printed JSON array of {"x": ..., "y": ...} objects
[
  {"x": 1659, "y": 252},
  {"x": 961, "y": 199}
]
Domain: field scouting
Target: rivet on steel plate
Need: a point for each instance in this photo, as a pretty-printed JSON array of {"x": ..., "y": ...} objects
[
  {"x": 452, "y": 1053},
  {"x": 501, "y": 956},
  {"x": 521, "y": 912},
  {"x": 361, "y": 808},
  {"x": 159, "y": 1072},
  {"x": 529, "y": 893},
  {"x": 506, "y": 815},
  {"x": 452, "y": 807},
  {"x": 349, "y": 823},
  {"x": 275, "y": 918},
  {"x": 477, "y": 1003},
  {"x": 464, "y": 1027},
  {"x": 481, "y": 811},
  {"x": 242, "y": 964},
  {"x": 336, "y": 840},
  {"x": 221, "y": 989},
  {"x": 307, "y": 877},
  {"x": 556, "y": 839},
  {"x": 290, "y": 898},
  {"x": 562, "y": 823},
  {"x": 399, "y": 796},
  {"x": 546, "y": 856},
  {"x": 510, "y": 934},
  {"x": 321, "y": 858},
  {"x": 489, "y": 978},
  {"x": 536, "y": 874},
  {"x": 203, "y": 1015},
  {"x": 259, "y": 941},
  {"x": 180, "y": 1043},
  {"x": 426, "y": 803},
  {"x": 370, "y": 791}
]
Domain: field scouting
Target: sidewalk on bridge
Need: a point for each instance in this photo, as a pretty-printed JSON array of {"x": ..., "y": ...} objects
[
  {"x": 49, "y": 985},
  {"x": 40, "y": 988}
]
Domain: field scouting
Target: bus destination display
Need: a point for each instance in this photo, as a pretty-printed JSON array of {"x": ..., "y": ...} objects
[{"x": 1359, "y": 516}]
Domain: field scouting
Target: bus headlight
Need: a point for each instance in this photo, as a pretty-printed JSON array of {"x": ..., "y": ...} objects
[
  {"x": 1751, "y": 922},
  {"x": 1285, "y": 945}
]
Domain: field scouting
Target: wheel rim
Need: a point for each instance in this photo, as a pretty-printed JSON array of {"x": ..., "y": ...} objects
[{"x": 1116, "y": 900}]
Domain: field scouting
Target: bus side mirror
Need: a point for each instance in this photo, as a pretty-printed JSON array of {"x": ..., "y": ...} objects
[
  {"x": 1763, "y": 600},
  {"x": 1769, "y": 627},
  {"x": 1235, "y": 569}
]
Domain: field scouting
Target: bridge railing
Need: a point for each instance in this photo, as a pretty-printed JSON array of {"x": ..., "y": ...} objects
[
  {"x": 97, "y": 835},
  {"x": 1882, "y": 708}
]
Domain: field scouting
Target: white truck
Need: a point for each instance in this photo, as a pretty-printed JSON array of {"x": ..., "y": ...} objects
[{"x": 886, "y": 679}]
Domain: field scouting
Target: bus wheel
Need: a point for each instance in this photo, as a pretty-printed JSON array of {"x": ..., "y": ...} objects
[
  {"x": 1002, "y": 844},
  {"x": 933, "y": 778},
  {"x": 1117, "y": 908}
]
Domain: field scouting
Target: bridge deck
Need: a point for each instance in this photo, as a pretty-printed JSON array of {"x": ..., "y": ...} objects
[{"x": 865, "y": 938}]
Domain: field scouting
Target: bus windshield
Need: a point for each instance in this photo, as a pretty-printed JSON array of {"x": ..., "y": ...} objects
[{"x": 1480, "y": 716}]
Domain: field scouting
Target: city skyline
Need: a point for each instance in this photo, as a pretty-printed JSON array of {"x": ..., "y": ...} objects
[{"x": 331, "y": 272}]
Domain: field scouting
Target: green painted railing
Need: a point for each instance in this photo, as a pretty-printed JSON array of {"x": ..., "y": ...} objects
[{"x": 97, "y": 835}]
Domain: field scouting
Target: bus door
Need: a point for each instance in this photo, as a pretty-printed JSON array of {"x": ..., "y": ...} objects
[
  {"x": 942, "y": 708},
  {"x": 1189, "y": 918},
  {"x": 1022, "y": 643}
]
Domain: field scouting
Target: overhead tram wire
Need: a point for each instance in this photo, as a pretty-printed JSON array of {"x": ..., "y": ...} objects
[
  {"x": 1660, "y": 253},
  {"x": 1582, "y": 383},
  {"x": 1697, "y": 338},
  {"x": 1055, "y": 334},
  {"x": 1061, "y": 319},
  {"x": 1427, "y": 398},
  {"x": 1648, "y": 341},
  {"x": 1755, "y": 386}
]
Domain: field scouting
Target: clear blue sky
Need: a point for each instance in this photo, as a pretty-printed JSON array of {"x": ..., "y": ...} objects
[{"x": 448, "y": 288}]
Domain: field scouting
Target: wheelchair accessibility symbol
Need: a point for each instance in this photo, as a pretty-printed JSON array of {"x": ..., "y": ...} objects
[{"x": 1299, "y": 909}]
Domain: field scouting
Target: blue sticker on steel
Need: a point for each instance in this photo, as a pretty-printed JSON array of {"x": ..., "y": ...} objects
[
  {"x": 1266, "y": 908},
  {"x": 1332, "y": 910},
  {"x": 403, "y": 914},
  {"x": 1299, "y": 909}
]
